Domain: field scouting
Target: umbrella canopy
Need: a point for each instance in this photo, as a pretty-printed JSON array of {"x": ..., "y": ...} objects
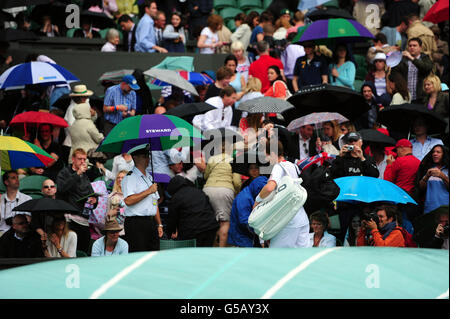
[
  {"x": 172, "y": 78},
  {"x": 327, "y": 98},
  {"x": 400, "y": 118},
  {"x": 345, "y": 30},
  {"x": 177, "y": 63},
  {"x": 16, "y": 153},
  {"x": 98, "y": 19},
  {"x": 370, "y": 189},
  {"x": 438, "y": 12},
  {"x": 161, "y": 131},
  {"x": 265, "y": 104},
  {"x": 194, "y": 78},
  {"x": 188, "y": 110},
  {"x": 46, "y": 206},
  {"x": 299, "y": 34},
  {"x": 329, "y": 13},
  {"x": 315, "y": 119},
  {"x": 38, "y": 118},
  {"x": 43, "y": 73},
  {"x": 115, "y": 76},
  {"x": 56, "y": 10},
  {"x": 309, "y": 4},
  {"x": 375, "y": 136}
]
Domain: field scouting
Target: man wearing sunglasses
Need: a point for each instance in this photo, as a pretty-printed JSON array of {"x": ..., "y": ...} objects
[{"x": 49, "y": 189}]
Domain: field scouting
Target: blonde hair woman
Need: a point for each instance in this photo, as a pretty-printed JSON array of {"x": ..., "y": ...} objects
[
  {"x": 61, "y": 242},
  {"x": 115, "y": 201},
  {"x": 435, "y": 99},
  {"x": 252, "y": 90}
]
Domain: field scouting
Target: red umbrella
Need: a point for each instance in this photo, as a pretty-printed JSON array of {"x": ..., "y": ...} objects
[
  {"x": 438, "y": 12},
  {"x": 39, "y": 118}
]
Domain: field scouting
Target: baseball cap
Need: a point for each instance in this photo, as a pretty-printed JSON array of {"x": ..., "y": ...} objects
[
  {"x": 285, "y": 11},
  {"x": 403, "y": 143},
  {"x": 351, "y": 137},
  {"x": 131, "y": 81},
  {"x": 379, "y": 56}
]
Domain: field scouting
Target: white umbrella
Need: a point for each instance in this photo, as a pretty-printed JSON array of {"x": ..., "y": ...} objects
[
  {"x": 172, "y": 78},
  {"x": 315, "y": 119}
]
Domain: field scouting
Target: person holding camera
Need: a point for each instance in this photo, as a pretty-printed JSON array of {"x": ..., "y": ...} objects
[
  {"x": 380, "y": 228},
  {"x": 440, "y": 238}
]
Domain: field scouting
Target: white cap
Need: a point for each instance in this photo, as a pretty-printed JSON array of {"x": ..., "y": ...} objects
[{"x": 379, "y": 56}]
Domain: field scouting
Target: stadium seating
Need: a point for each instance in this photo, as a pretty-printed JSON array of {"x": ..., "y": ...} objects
[
  {"x": 247, "y": 4},
  {"x": 32, "y": 184},
  {"x": 220, "y": 4},
  {"x": 231, "y": 25},
  {"x": 229, "y": 13}
]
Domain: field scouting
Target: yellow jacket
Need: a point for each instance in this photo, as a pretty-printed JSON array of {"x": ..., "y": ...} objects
[{"x": 218, "y": 173}]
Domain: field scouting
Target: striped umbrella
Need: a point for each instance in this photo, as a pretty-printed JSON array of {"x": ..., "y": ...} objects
[
  {"x": 346, "y": 30},
  {"x": 43, "y": 73},
  {"x": 16, "y": 153}
]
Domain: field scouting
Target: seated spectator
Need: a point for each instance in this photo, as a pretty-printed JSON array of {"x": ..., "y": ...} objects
[
  {"x": 342, "y": 70},
  {"x": 240, "y": 234},
  {"x": 422, "y": 143},
  {"x": 278, "y": 88},
  {"x": 398, "y": 88},
  {"x": 385, "y": 233},
  {"x": 432, "y": 178},
  {"x": 208, "y": 42},
  {"x": 379, "y": 74},
  {"x": 320, "y": 237},
  {"x": 191, "y": 215},
  {"x": 174, "y": 34},
  {"x": 440, "y": 238},
  {"x": 396, "y": 36},
  {"x": 353, "y": 231},
  {"x": 115, "y": 204},
  {"x": 113, "y": 39},
  {"x": 368, "y": 119},
  {"x": 61, "y": 242},
  {"x": 20, "y": 242},
  {"x": 48, "y": 29},
  {"x": 110, "y": 243},
  {"x": 435, "y": 100},
  {"x": 86, "y": 30}
]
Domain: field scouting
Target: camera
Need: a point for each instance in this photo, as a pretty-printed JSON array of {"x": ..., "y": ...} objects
[
  {"x": 370, "y": 216},
  {"x": 350, "y": 148},
  {"x": 445, "y": 231}
]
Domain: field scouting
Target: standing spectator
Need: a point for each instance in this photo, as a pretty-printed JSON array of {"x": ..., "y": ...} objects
[
  {"x": 432, "y": 178},
  {"x": 191, "y": 215},
  {"x": 221, "y": 187},
  {"x": 353, "y": 231},
  {"x": 243, "y": 66},
  {"x": 299, "y": 21},
  {"x": 435, "y": 99},
  {"x": 380, "y": 45},
  {"x": 368, "y": 119},
  {"x": 320, "y": 237},
  {"x": 265, "y": 18},
  {"x": 110, "y": 243},
  {"x": 289, "y": 56},
  {"x": 380, "y": 158},
  {"x": 309, "y": 69},
  {"x": 240, "y": 234},
  {"x": 120, "y": 102},
  {"x": 397, "y": 9},
  {"x": 416, "y": 29},
  {"x": 237, "y": 81},
  {"x": 422, "y": 143},
  {"x": 115, "y": 204},
  {"x": 342, "y": 70},
  {"x": 122, "y": 162},
  {"x": 174, "y": 34},
  {"x": 242, "y": 33},
  {"x": 129, "y": 28},
  {"x": 10, "y": 199},
  {"x": 379, "y": 75},
  {"x": 282, "y": 25},
  {"x": 260, "y": 67},
  {"x": 396, "y": 36},
  {"x": 208, "y": 42},
  {"x": 160, "y": 25},
  {"x": 398, "y": 87},
  {"x": 113, "y": 39},
  {"x": 225, "y": 37},
  {"x": 223, "y": 79},
  {"x": 75, "y": 188},
  {"x": 200, "y": 11},
  {"x": 278, "y": 88},
  {"x": 415, "y": 67},
  {"x": 303, "y": 144},
  {"x": 61, "y": 241},
  {"x": 143, "y": 227},
  {"x": 145, "y": 32},
  {"x": 20, "y": 241},
  {"x": 83, "y": 132},
  {"x": 386, "y": 233}
]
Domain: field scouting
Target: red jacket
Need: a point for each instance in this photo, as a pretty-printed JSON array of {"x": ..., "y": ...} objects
[
  {"x": 403, "y": 172},
  {"x": 258, "y": 69}
]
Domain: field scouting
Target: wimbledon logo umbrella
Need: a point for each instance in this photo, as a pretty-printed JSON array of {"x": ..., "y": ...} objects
[{"x": 43, "y": 73}]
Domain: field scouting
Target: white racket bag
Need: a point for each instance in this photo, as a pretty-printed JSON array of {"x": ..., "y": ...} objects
[{"x": 270, "y": 216}]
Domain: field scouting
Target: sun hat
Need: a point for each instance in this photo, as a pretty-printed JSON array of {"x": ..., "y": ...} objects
[
  {"x": 80, "y": 90},
  {"x": 112, "y": 225}
]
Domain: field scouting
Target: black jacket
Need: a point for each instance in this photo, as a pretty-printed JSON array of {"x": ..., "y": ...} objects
[
  {"x": 189, "y": 210},
  {"x": 29, "y": 247},
  {"x": 72, "y": 187},
  {"x": 351, "y": 166},
  {"x": 293, "y": 151},
  {"x": 133, "y": 39}
]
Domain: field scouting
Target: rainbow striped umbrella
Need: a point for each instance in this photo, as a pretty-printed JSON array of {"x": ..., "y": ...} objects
[{"x": 16, "y": 153}]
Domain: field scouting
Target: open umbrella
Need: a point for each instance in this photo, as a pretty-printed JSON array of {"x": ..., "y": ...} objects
[
  {"x": 329, "y": 13},
  {"x": 16, "y": 153},
  {"x": 33, "y": 117},
  {"x": 56, "y": 10},
  {"x": 400, "y": 118},
  {"x": 375, "y": 136},
  {"x": 115, "y": 76},
  {"x": 98, "y": 19},
  {"x": 327, "y": 98},
  {"x": 370, "y": 189},
  {"x": 438, "y": 12},
  {"x": 47, "y": 206},
  {"x": 315, "y": 119},
  {"x": 344, "y": 30},
  {"x": 299, "y": 34},
  {"x": 172, "y": 78},
  {"x": 194, "y": 78},
  {"x": 188, "y": 110},
  {"x": 44, "y": 73},
  {"x": 5, "y": 4},
  {"x": 265, "y": 104}
]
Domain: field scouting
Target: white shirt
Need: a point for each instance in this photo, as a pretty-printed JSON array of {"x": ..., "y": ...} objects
[
  {"x": 210, "y": 39},
  {"x": 221, "y": 117},
  {"x": 135, "y": 183},
  {"x": 7, "y": 206},
  {"x": 419, "y": 150},
  {"x": 108, "y": 47},
  {"x": 119, "y": 164},
  {"x": 382, "y": 167},
  {"x": 327, "y": 240},
  {"x": 303, "y": 146},
  {"x": 68, "y": 244}
]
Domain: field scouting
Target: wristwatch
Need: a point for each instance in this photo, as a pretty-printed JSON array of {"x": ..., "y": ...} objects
[
  {"x": 59, "y": 250},
  {"x": 160, "y": 225}
]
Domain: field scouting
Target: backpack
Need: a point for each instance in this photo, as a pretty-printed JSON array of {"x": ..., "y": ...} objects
[{"x": 409, "y": 242}]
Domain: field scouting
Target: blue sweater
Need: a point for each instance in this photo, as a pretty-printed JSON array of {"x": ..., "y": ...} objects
[{"x": 347, "y": 72}]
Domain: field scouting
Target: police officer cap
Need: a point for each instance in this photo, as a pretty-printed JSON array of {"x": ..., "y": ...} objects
[{"x": 142, "y": 149}]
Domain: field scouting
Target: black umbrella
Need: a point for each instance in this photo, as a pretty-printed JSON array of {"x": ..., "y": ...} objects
[
  {"x": 326, "y": 98},
  {"x": 187, "y": 111},
  {"x": 9, "y": 35},
  {"x": 425, "y": 225},
  {"x": 5, "y": 4},
  {"x": 64, "y": 101},
  {"x": 56, "y": 10},
  {"x": 98, "y": 19},
  {"x": 374, "y": 136},
  {"x": 265, "y": 104},
  {"x": 401, "y": 117},
  {"x": 241, "y": 163},
  {"x": 329, "y": 13},
  {"x": 47, "y": 206}
]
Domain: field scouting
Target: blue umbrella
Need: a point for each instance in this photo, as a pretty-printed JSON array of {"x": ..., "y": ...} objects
[
  {"x": 43, "y": 73},
  {"x": 309, "y": 4},
  {"x": 370, "y": 189}
]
